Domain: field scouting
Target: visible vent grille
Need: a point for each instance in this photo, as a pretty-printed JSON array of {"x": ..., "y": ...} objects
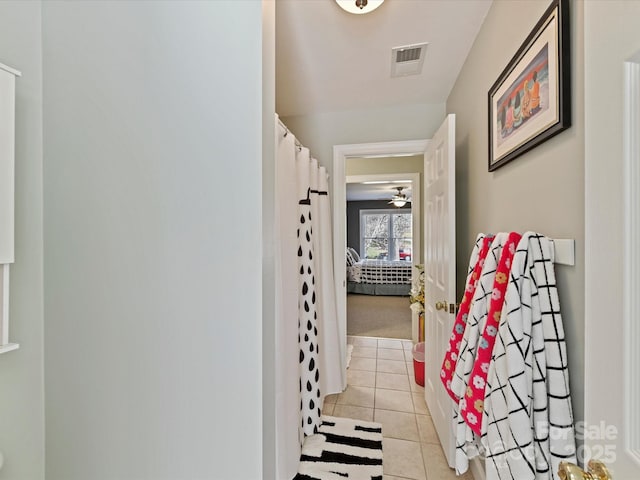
[
  {"x": 407, "y": 60},
  {"x": 408, "y": 55}
]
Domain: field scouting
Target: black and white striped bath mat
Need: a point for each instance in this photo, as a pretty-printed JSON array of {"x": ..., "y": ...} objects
[{"x": 342, "y": 449}]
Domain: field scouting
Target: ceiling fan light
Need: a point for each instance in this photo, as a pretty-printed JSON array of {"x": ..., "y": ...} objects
[
  {"x": 400, "y": 199},
  {"x": 359, "y": 7}
]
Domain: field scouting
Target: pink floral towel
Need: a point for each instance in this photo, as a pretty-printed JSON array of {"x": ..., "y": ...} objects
[
  {"x": 451, "y": 355},
  {"x": 473, "y": 405}
]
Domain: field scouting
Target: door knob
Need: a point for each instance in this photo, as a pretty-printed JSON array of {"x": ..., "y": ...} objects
[
  {"x": 597, "y": 471},
  {"x": 441, "y": 305}
]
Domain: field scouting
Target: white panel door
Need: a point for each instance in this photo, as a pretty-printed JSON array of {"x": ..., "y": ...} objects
[{"x": 440, "y": 273}]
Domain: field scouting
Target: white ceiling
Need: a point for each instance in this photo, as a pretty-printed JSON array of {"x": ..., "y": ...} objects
[
  {"x": 383, "y": 191},
  {"x": 328, "y": 60}
]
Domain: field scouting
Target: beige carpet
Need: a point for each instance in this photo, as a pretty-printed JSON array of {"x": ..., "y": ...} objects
[{"x": 378, "y": 316}]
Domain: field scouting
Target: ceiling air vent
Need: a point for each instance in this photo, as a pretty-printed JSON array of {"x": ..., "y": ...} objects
[{"x": 407, "y": 60}]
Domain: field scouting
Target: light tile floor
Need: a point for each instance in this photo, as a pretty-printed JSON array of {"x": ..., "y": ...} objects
[{"x": 381, "y": 387}]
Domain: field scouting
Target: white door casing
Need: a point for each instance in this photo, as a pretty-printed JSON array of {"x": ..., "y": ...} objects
[
  {"x": 628, "y": 462},
  {"x": 611, "y": 430},
  {"x": 440, "y": 274},
  {"x": 339, "y": 199},
  {"x": 612, "y": 363},
  {"x": 7, "y": 201}
]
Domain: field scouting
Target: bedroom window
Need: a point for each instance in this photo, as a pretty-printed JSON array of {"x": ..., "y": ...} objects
[{"x": 385, "y": 234}]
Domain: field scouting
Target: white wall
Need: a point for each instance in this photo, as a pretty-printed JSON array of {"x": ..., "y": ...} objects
[
  {"x": 269, "y": 239},
  {"x": 542, "y": 190},
  {"x": 373, "y": 166},
  {"x": 21, "y": 371},
  {"x": 152, "y": 121},
  {"x": 320, "y": 132}
]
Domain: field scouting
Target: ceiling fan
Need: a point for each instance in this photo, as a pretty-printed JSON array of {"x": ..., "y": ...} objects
[{"x": 400, "y": 199}]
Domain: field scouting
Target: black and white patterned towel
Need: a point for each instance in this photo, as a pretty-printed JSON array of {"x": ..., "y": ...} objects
[{"x": 528, "y": 425}]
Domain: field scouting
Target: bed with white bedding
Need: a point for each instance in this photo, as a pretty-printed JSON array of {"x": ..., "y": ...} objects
[{"x": 377, "y": 277}]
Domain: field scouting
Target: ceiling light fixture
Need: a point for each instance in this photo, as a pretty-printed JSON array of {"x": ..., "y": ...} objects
[
  {"x": 399, "y": 200},
  {"x": 359, "y": 6}
]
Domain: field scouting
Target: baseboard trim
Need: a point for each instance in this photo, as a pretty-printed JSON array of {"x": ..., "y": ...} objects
[{"x": 476, "y": 465}]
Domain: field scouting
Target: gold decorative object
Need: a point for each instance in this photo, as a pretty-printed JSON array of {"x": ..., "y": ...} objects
[{"x": 596, "y": 471}]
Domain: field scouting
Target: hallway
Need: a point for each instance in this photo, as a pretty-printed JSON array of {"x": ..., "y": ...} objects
[{"x": 381, "y": 388}]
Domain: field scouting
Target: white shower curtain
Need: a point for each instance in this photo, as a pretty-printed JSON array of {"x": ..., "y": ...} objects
[
  {"x": 287, "y": 376},
  {"x": 307, "y": 311},
  {"x": 310, "y": 355},
  {"x": 332, "y": 350}
]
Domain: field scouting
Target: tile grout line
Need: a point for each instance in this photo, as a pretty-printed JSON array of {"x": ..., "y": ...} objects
[{"x": 414, "y": 395}]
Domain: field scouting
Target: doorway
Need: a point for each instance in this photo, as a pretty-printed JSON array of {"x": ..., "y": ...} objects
[
  {"x": 340, "y": 155},
  {"x": 381, "y": 376},
  {"x": 380, "y": 242}
]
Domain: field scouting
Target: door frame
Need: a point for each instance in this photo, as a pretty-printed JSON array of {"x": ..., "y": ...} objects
[
  {"x": 602, "y": 378},
  {"x": 631, "y": 263},
  {"x": 340, "y": 155}
]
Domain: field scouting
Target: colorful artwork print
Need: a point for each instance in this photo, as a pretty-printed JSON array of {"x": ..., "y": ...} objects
[
  {"x": 530, "y": 101},
  {"x": 527, "y": 97}
]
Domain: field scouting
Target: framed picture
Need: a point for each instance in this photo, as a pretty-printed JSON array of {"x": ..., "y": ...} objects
[{"x": 530, "y": 101}]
